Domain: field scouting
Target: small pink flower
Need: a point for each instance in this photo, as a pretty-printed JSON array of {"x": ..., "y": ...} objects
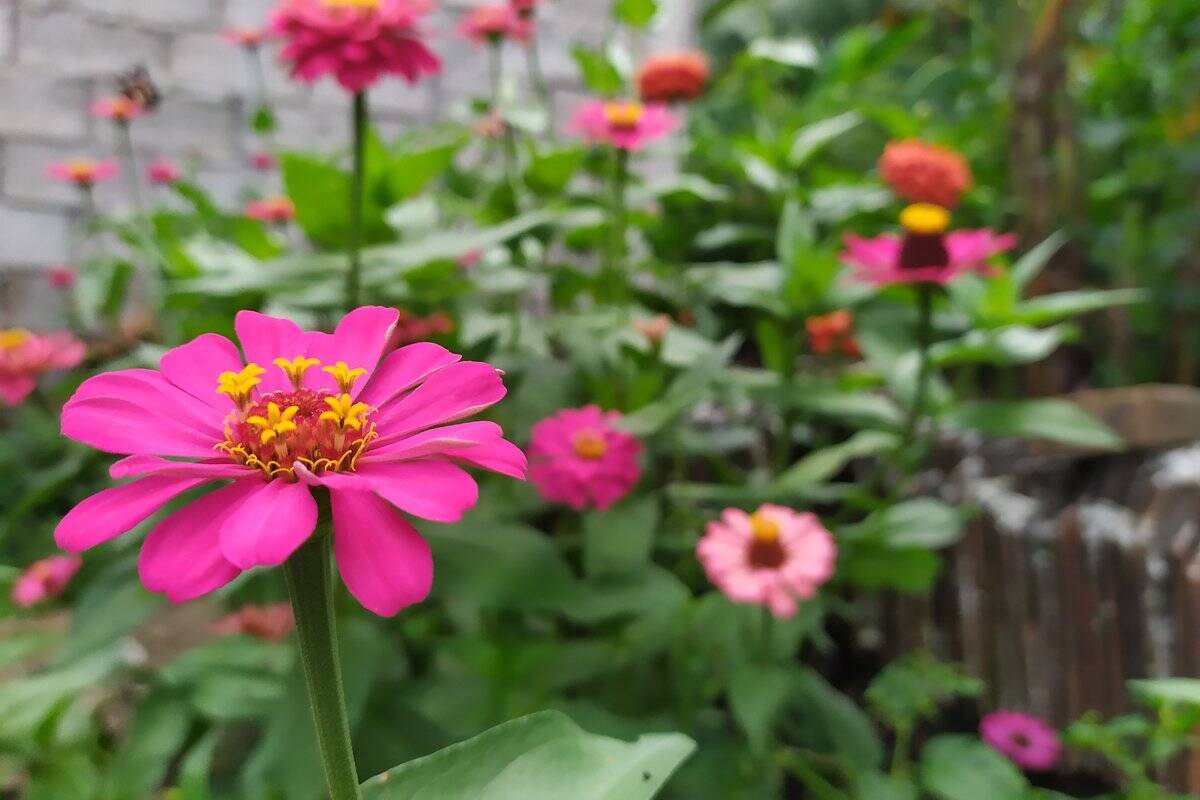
[
  {"x": 356, "y": 41},
  {"x": 62, "y": 277},
  {"x": 580, "y": 458},
  {"x": 290, "y": 415},
  {"x": 45, "y": 579},
  {"x": 24, "y": 356},
  {"x": 655, "y": 328},
  {"x": 627, "y": 125},
  {"x": 1026, "y": 740},
  {"x": 118, "y": 109},
  {"x": 249, "y": 37},
  {"x": 272, "y": 209},
  {"x": 163, "y": 172},
  {"x": 773, "y": 557},
  {"x": 83, "y": 172},
  {"x": 262, "y": 160},
  {"x": 274, "y": 622},
  {"x": 470, "y": 259},
  {"x": 926, "y": 253},
  {"x": 492, "y": 24}
]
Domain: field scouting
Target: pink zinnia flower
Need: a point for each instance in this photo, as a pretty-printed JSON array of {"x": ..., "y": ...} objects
[
  {"x": 655, "y": 328},
  {"x": 926, "y": 253},
  {"x": 24, "y": 356},
  {"x": 356, "y": 41},
  {"x": 246, "y": 37},
  {"x": 262, "y": 160},
  {"x": 62, "y": 277},
  {"x": 1026, "y": 740},
  {"x": 163, "y": 171},
  {"x": 272, "y": 209},
  {"x": 45, "y": 579},
  {"x": 273, "y": 623},
  {"x": 925, "y": 173},
  {"x": 628, "y": 125},
  {"x": 118, "y": 109},
  {"x": 492, "y": 24},
  {"x": 579, "y": 457},
  {"x": 773, "y": 557},
  {"x": 83, "y": 172},
  {"x": 291, "y": 415}
]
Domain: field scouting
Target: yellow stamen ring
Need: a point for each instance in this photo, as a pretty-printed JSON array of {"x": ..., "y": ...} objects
[{"x": 925, "y": 219}]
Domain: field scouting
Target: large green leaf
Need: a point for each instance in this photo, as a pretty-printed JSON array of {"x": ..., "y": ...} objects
[
  {"x": 619, "y": 540},
  {"x": 964, "y": 768},
  {"x": 811, "y": 138},
  {"x": 821, "y": 465},
  {"x": 757, "y": 695},
  {"x": 544, "y": 756},
  {"x": 636, "y": 13},
  {"x": 923, "y": 522},
  {"x": 1055, "y": 420},
  {"x": 833, "y": 722}
]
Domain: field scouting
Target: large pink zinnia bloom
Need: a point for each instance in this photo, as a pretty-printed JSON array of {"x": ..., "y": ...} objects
[
  {"x": 627, "y": 125},
  {"x": 1025, "y": 740},
  {"x": 356, "y": 41},
  {"x": 44, "y": 579},
  {"x": 24, "y": 356},
  {"x": 773, "y": 557},
  {"x": 291, "y": 414},
  {"x": 877, "y": 261},
  {"x": 580, "y": 458}
]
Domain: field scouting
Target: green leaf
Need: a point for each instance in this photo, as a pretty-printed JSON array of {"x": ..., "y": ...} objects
[
  {"x": 812, "y": 138},
  {"x": 1029, "y": 265},
  {"x": 821, "y": 465},
  {"x": 878, "y": 786},
  {"x": 964, "y": 768},
  {"x": 620, "y": 539},
  {"x": 597, "y": 72},
  {"x": 1054, "y": 420},
  {"x": 263, "y": 120},
  {"x": 757, "y": 694},
  {"x": 911, "y": 688},
  {"x": 794, "y": 52},
  {"x": 636, "y": 13},
  {"x": 834, "y": 723},
  {"x": 923, "y": 522},
  {"x": 1064, "y": 305},
  {"x": 549, "y": 173},
  {"x": 1015, "y": 344},
  {"x": 410, "y": 173},
  {"x": 1185, "y": 691},
  {"x": 544, "y": 756},
  {"x": 157, "y": 734},
  {"x": 321, "y": 193},
  {"x": 877, "y": 566}
]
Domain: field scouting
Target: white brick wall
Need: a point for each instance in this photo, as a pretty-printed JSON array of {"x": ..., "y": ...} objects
[{"x": 58, "y": 55}]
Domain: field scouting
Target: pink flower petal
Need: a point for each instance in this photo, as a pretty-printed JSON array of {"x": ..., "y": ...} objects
[
  {"x": 15, "y": 388},
  {"x": 431, "y": 490},
  {"x": 114, "y": 511},
  {"x": 195, "y": 367},
  {"x": 139, "y": 465},
  {"x": 384, "y": 561},
  {"x": 269, "y": 524},
  {"x": 182, "y": 556},
  {"x": 359, "y": 340},
  {"x": 265, "y": 339},
  {"x": 450, "y": 394},
  {"x": 404, "y": 369}
]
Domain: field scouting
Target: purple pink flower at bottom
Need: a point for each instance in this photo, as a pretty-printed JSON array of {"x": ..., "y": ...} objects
[
  {"x": 289, "y": 416},
  {"x": 45, "y": 579},
  {"x": 1026, "y": 740},
  {"x": 579, "y": 457},
  {"x": 775, "y": 557},
  {"x": 24, "y": 356}
]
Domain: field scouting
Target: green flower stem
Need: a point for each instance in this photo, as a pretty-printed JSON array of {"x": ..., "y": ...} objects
[
  {"x": 354, "y": 239},
  {"x": 614, "y": 276},
  {"x": 537, "y": 78},
  {"x": 796, "y": 762},
  {"x": 310, "y": 584},
  {"x": 132, "y": 176},
  {"x": 924, "y": 340}
]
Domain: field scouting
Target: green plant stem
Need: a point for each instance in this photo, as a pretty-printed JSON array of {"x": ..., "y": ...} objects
[
  {"x": 354, "y": 239},
  {"x": 132, "y": 177},
  {"x": 537, "y": 78},
  {"x": 924, "y": 340},
  {"x": 900, "y": 760},
  {"x": 310, "y": 584},
  {"x": 795, "y": 762},
  {"x": 615, "y": 276},
  {"x": 496, "y": 72}
]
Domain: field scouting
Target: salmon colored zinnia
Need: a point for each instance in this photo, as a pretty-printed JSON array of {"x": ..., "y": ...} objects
[
  {"x": 163, "y": 171},
  {"x": 925, "y": 173},
  {"x": 492, "y": 24},
  {"x": 833, "y": 332},
  {"x": 83, "y": 172},
  {"x": 290, "y": 417},
  {"x": 272, "y": 209},
  {"x": 356, "y": 41},
  {"x": 273, "y": 623},
  {"x": 579, "y": 457},
  {"x": 673, "y": 77},
  {"x": 24, "y": 356},
  {"x": 118, "y": 109},
  {"x": 44, "y": 579},
  {"x": 774, "y": 557},
  {"x": 626, "y": 125}
]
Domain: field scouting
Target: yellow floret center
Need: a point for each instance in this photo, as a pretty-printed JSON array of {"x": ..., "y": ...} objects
[
  {"x": 367, "y": 4},
  {"x": 13, "y": 338},
  {"x": 589, "y": 444},
  {"x": 344, "y": 412},
  {"x": 763, "y": 527},
  {"x": 295, "y": 368},
  {"x": 623, "y": 115},
  {"x": 344, "y": 376},
  {"x": 925, "y": 219},
  {"x": 238, "y": 386}
]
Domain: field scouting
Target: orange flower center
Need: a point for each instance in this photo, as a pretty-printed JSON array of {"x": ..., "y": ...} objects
[
  {"x": 123, "y": 107},
  {"x": 365, "y": 5},
  {"x": 321, "y": 429},
  {"x": 589, "y": 444},
  {"x": 763, "y": 527},
  {"x": 13, "y": 338},
  {"x": 766, "y": 551},
  {"x": 82, "y": 170},
  {"x": 623, "y": 115}
]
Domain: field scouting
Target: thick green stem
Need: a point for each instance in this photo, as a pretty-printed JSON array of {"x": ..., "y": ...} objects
[
  {"x": 924, "y": 337},
  {"x": 615, "y": 277},
  {"x": 310, "y": 584},
  {"x": 354, "y": 239}
]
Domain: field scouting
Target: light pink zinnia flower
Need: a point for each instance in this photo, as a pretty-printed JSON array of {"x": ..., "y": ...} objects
[
  {"x": 45, "y": 579},
  {"x": 118, "y": 109},
  {"x": 773, "y": 557},
  {"x": 291, "y": 414},
  {"x": 926, "y": 253},
  {"x": 356, "y": 41},
  {"x": 578, "y": 457},
  {"x": 262, "y": 160},
  {"x": 249, "y": 37},
  {"x": 273, "y": 623},
  {"x": 1026, "y": 740},
  {"x": 24, "y": 356},
  {"x": 62, "y": 277},
  {"x": 492, "y": 24},
  {"x": 163, "y": 171},
  {"x": 627, "y": 125},
  {"x": 272, "y": 209},
  {"x": 83, "y": 172}
]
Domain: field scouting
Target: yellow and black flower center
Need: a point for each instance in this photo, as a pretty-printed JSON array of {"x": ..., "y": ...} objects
[
  {"x": 766, "y": 551},
  {"x": 925, "y": 228},
  {"x": 623, "y": 115}
]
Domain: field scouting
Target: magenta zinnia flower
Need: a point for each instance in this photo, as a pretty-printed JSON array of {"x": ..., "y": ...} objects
[
  {"x": 356, "y": 41},
  {"x": 44, "y": 579},
  {"x": 262, "y": 160},
  {"x": 926, "y": 253},
  {"x": 24, "y": 356},
  {"x": 62, "y": 276},
  {"x": 491, "y": 24},
  {"x": 292, "y": 414},
  {"x": 83, "y": 172},
  {"x": 1026, "y": 740},
  {"x": 163, "y": 171},
  {"x": 579, "y": 457},
  {"x": 773, "y": 557},
  {"x": 627, "y": 125}
]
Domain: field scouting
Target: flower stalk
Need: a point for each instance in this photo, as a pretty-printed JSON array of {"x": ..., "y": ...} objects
[
  {"x": 614, "y": 277},
  {"x": 924, "y": 340},
  {"x": 358, "y": 180},
  {"x": 310, "y": 584}
]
